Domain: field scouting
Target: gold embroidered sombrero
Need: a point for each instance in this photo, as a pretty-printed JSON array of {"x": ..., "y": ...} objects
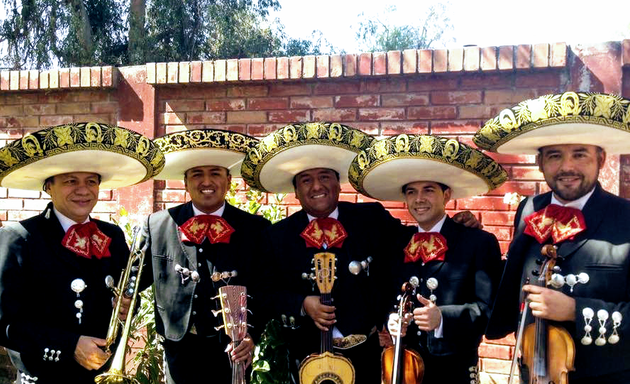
[
  {"x": 271, "y": 166},
  {"x": 122, "y": 157},
  {"x": 567, "y": 118},
  {"x": 202, "y": 147},
  {"x": 388, "y": 164}
]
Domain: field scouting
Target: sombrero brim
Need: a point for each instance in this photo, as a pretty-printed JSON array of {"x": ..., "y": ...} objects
[
  {"x": 388, "y": 164},
  {"x": 202, "y": 147},
  {"x": 122, "y": 157},
  {"x": 272, "y": 165},
  {"x": 568, "y": 118}
]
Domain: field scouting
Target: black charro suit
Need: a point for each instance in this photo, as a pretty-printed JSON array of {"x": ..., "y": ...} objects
[
  {"x": 362, "y": 301},
  {"x": 36, "y": 301},
  {"x": 467, "y": 281},
  {"x": 603, "y": 252},
  {"x": 180, "y": 305}
]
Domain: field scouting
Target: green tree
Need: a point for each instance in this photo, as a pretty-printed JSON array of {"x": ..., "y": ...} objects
[{"x": 380, "y": 33}]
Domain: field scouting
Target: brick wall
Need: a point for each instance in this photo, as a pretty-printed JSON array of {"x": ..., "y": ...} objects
[{"x": 445, "y": 92}]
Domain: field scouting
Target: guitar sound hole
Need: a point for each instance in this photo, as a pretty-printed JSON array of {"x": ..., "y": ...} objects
[{"x": 327, "y": 378}]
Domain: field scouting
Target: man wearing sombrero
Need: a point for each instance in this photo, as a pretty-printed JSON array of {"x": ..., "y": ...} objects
[
  {"x": 589, "y": 293},
  {"x": 312, "y": 160},
  {"x": 457, "y": 268},
  {"x": 198, "y": 247},
  {"x": 54, "y": 303}
]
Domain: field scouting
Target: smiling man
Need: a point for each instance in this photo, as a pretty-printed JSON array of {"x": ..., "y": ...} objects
[
  {"x": 54, "y": 304},
  {"x": 587, "y": 225},
  {"x": 198, "y": 247}
]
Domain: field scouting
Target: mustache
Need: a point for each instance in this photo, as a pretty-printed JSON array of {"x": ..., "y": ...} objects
[{"x": 568, "y": 174}]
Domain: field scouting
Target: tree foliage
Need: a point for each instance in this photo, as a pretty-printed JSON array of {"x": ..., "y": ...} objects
[
  {"x": 47, "y": 33},
  {"x": 380, "y": 33}
]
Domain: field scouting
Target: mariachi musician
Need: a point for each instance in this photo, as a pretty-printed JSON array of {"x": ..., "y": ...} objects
[
  {"x": 457, "y": 268},
  {"x": 198, "y": 247},
  {"x": 54, "y": 303},
  {"x": 571, "y": 133}
]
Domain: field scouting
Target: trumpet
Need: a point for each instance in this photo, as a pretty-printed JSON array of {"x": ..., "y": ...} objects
[{"x": 127, "y": 287}]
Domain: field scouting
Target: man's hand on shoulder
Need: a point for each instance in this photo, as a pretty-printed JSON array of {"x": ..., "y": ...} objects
[{"x": 467, "y": 219}]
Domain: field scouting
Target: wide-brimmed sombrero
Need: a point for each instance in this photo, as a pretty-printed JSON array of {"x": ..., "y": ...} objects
[
  {"x": 122, "y": 157},
  {"x": 388, "y": 164},
  {"x": 202, "y": 147},
  {"x": 271, "y": 166},
  {"x": 567, "y": 118}
]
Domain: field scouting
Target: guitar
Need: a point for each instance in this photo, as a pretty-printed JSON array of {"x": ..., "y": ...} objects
[
  {"x": 326, "y": 367},
  {"x": 233, "y": 300}
]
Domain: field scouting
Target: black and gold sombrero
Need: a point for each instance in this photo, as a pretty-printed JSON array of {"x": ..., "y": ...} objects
[
  {"x": 122, "y": 157},
  {"x": 202, "y": 147},
  {"x": 567, "y": 118},
  {"x": 271, "y": 166},
  {"x": 388, "y": 164}
]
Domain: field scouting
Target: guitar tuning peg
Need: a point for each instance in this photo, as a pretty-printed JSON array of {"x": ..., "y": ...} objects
[
  {"x": 218, "y": 328},
  {"x": 248, "y": 310},
  {"x": 216, "y": 297},
  {"x": 216, "y": 312}
]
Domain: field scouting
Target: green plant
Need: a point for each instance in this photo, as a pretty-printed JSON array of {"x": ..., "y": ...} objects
[
  {"x": 271, "y": 357},
  {"x": 252, "y": 202}
]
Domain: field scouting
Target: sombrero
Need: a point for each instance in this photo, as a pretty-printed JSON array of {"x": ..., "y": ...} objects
[
  {"x": 388, "y": 164},
  {"x": 567, "y": 118},
  {"x": 122, "y": 157},
  {"x": 202, "y": 147},
  {"x": 271, "y": 166}
]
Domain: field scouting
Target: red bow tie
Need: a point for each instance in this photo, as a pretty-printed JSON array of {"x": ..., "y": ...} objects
[
  {"x": 215, "y": 228},
  {"x": 426, "y": 245},
  {"x": 87, "y": 240},
  {"x": 559, "y": 223},
  {"x": 322, "y": 231}
]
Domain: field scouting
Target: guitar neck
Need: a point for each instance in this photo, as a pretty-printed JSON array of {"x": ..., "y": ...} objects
[{"x": 326, "y": 344}]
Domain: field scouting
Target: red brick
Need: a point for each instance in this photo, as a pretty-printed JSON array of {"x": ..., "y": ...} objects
[
  {"x": 336, "y": 88},
  {"x": 290, "y": 89},
  {"x": 73, "y": 108},
  {"x": 289, "y": 116},
  {"x": 173, "y": 118},
  {"x": 495, "y": 366},
  {"x": 486, "y": 203},
  {"x": 323, "y": 66},
  {"x": 336, "y": 66},
  {"x": 350, "y": 65},
  {"x": 452, "y": 127},
  {"x": 207, "y": 72},
  {"x": 225, "y": 104},
  {"x": 440, "y": 60},
  {"x": 365, "y": 64},
  {"x": 24, "y": 79},
  {"x": 247, "y": 117},
  {"x": 172, "y": 73},
  {"x": 369, "y": 127},
  {"x": 471, "y": 58},
  {"x": 404, "y": 99},
  {"x": 508, "y": 96},
  {"x": 502, "y": 352},
  {"x": 184, "y": 105},
  {"x": 14, "y": 82},
  {"x": 175, "y": 184},
  {"x": 244, "y": 69},
  {"x": 295, "y": 67},
  {"x": 21, "y": 215},
  {"x": 282, "y": 69},
  {"x": 8, "y": 204},
  {"x": 247, "y": 91},
  {"x": 356, "y": 101},
  {"x": 526, "y": 173},
  {"x": 5, "y": 77},
  {"x": 335, "y": 114},
  {"x": 308, "y": 67},
  {"x": 379, "y": 63},
  {"x": 55, "y": 120},
  {"x": 172, "y": 196},
  {"x": 268, "y": 103},
  {"x": 411, "y": 128},
  {"x": 502, "y": 233},
  {"x": 312, "y": 102},
  {"x": 506, "y": 57},
  {"x": 489, "y": 58},
  {"x": 232, "y": 73},
  {"x": 497, "y": 218},
  {"x": 536, "y": 80},
  {"x": 258, "y": 69},
  {"x": 425, "y": 61},
  {"x": 507, "y": 340},
  {"x": 394, "y": 62},
  {"x": 38, "y": 109},
  {"x": 85, "y": 77},
  {"x": 455, "y": 59},
  {"x": 432, "y": 83},
  {"x": 523, "y": 188},
  {"x": 262, "y": 130},
  {"x": 270, "y": 68},
  {"x": 523, "y": 56},
  {"x": 410, "y": 61},
  {"x": 64, "y": 78},
  {"x": 35, "y": 205},
  {"x": 3, "y": 217},
  {"x": 512, "y": 159},
  {"x": 33, "y": 79},
  {"x": 220, "y": 70},
  {"x": 85, "y": 95},
  {"x": 195, "y": 71},
  {"x": 205, "y": 117},
  {"x": 379, "y": 114},
  {"x": 11, "y": 110},
  {"x": 455, "y": 97},
  {"x": 558, "y": 55},
  {"x": 383, "y": 85},
  {"x": 108, "y": 76},
  {"x": 424, "y": 113},
  {"x": 480, "y": 111},
  {"x": 22, "y": 122},
  {"x": 540, "y": 55}
]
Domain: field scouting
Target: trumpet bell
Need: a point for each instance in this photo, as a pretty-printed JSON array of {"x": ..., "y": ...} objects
[{"x": 115, "y": 378}]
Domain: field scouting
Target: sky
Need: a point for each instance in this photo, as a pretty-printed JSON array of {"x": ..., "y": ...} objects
[{"x": 476, "y": 22}]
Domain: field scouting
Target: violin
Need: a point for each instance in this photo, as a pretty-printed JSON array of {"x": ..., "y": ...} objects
[
  {"x": 401, "y": 365},
  {"x": 548, "y": 350}
]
